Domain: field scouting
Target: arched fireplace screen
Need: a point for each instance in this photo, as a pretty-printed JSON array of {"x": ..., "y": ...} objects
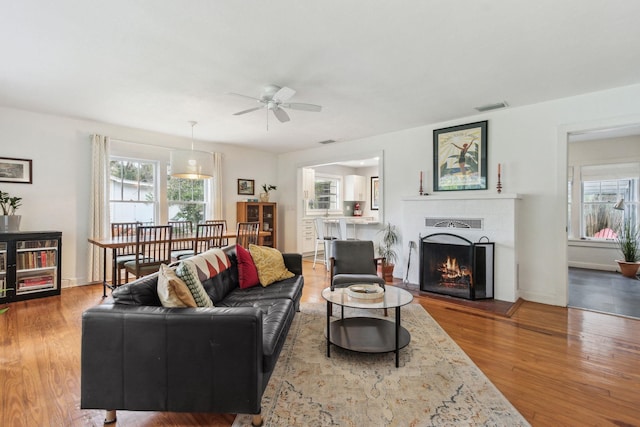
[{"x": 453, "y": 265}]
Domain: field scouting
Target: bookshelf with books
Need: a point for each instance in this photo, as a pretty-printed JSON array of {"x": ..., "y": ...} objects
[{"x": 29, "y": 265}]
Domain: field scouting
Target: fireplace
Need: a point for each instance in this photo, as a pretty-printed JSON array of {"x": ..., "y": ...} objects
[{"x": 455, "y": 266}]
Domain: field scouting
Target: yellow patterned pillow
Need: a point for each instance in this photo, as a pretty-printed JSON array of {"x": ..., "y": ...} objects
[{"x": 270, "y": 264}]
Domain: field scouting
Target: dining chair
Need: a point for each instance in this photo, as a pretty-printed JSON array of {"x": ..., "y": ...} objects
[
  {"x": 207, "y": 236},
  {"x": 322, "y": 239},
  {"x": 225, "y": 241},
  {"x": 247, "y": 233},
  {"x": 181, "y": 247},
  {"x": 153, "y": 243},
  {"x": 122, "y": 230}
]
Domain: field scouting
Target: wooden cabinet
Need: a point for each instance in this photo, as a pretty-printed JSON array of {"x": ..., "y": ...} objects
[
  {"x": 29, "y": 265},
  {"x": 308, "y": 234},
  {"x": 355, "y": 188},
  {"x": 265, "y": 213}
]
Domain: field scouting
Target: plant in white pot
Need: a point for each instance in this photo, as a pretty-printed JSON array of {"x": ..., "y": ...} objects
[
  {"x": 390, "y": 237},
  {"x": 264, "y": 197},
  {"x": 628, "y": 240},
  {"x": 9, "y": 221}
]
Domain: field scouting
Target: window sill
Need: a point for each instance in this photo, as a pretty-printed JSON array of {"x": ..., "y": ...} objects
[{"x": 587, "y": 243}]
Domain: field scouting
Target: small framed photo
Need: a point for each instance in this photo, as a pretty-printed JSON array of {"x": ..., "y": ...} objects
[
  {"x": 18, "y": 171},
  {"x": 247, "y": 186},
  {"x": 460, "y": 157},
  {"x": 375, "y": 193}
]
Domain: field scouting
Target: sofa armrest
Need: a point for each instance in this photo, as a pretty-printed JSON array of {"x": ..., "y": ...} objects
[
  {"x": 293, "y": 262},
  {"x": 172, "y": 359}
]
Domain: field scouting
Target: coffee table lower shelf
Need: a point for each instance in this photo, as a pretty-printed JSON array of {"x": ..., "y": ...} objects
[{"x": 367, "y": 335}]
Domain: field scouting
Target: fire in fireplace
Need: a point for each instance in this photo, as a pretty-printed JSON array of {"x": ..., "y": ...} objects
[{"x": 453, "y": 265}]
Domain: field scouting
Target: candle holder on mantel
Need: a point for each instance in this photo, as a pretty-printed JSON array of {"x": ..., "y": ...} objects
[{"x": 499, "y": 186}]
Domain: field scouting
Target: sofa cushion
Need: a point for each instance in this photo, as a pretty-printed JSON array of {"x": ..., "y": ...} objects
[
  {"x": 247, "y": 272},
  {"x": 204, "y": 266},
  {"x": 270, "y": 264},
  {"x": 172, "y": 291},
  {"x": 276, "y": 320},
  {"x": 142, "y": 291},
  {"x": 284, "y": 289}
]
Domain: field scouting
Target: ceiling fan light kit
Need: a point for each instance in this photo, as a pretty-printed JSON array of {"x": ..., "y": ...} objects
[{"x": 274, "y": 99}]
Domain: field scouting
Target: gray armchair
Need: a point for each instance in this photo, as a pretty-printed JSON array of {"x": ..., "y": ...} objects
[{"x": 353, "y": 261}]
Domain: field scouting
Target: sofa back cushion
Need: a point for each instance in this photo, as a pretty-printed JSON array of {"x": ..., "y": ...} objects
[{"x": 142, "y": 291}]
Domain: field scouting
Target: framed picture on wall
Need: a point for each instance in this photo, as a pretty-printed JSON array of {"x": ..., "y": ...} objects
[
  {"x": 375, "y": 193},
  {"x": 460, "y": 157},
  {"x": 18, "y": 171},
  {"x": 246, "y": 186}
]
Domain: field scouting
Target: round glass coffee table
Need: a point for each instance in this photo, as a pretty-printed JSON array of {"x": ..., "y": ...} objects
[{"x": 367, "y": 334}]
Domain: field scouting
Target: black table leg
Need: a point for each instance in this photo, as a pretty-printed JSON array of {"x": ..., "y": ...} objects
[
  {"x": 329, "y": 309},
  {"x": 104, "y": 272},
  {"x": 397, "y": 337}
]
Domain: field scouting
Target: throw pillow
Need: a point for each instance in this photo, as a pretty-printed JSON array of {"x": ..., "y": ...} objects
[
  {"x": 247, "y": 272},
  {"x": 270, "y": 264},
  {"x": 188, "y": 273},
  {"x": 172, "y": 291},
  {"x": 197, "y": 269}
]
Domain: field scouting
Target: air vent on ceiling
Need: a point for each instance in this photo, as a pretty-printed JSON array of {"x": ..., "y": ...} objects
[
  {"x": 490, "y": 107},
  {"x": 327, "y": 141}
]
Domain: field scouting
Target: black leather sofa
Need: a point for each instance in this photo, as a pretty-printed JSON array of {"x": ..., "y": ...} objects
[{"x": 138, "y": 355}]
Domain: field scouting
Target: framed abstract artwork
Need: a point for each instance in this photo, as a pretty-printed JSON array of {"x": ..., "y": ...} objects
[
  {"x": 18, "y": 171},
  {"x": 460, "y": 157}
]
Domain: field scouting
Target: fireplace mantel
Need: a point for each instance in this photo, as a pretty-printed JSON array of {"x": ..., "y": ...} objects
[
  {"x": 464, "y": 196},
  {"x": 499, "y": 214}
]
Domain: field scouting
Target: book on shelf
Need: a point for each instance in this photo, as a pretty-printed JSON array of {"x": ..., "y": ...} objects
[{"x": 36, "y": 281}]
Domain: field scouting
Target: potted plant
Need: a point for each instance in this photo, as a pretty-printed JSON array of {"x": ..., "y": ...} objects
[
  {"x": 9, "y": 221},
  {"x": 628, "y": 240},
  {"x": 390, "y": 237},
  {"x": 264, "y": 197}
]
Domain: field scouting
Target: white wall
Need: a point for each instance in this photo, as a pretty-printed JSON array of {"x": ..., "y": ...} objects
[
  {"x": 531, "y": 144},
  {"x": 59, "y": 198}
]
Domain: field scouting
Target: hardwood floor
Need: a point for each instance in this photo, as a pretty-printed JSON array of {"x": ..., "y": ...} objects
[{"x": 558, "y": 366}]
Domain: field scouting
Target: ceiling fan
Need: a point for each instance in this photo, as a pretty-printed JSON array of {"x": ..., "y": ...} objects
[{"x": 275, "y": 98}]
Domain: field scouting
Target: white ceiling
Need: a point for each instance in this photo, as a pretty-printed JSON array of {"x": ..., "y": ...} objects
[{"x": 374, "y": 66}]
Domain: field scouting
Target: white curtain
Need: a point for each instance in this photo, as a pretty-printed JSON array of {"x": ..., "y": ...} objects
[
  {"x": 99, "y": 223},
  {"x": 215, "y": 207}
]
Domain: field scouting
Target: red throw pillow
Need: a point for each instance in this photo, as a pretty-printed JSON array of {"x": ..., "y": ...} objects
[{"x": 247, "y": 272}]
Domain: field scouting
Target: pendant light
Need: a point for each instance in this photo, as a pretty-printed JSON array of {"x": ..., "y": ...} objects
[{"x": 191, "y": 164}]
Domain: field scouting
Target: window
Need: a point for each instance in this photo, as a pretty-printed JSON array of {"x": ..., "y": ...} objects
[
  {"x": 187, "y": 199},
  {"x": 327, "y": 193},
  {"x": 133, "y": 190},
  {"x": 142, "y": 190},
  {"x": 602, "y": 187}
]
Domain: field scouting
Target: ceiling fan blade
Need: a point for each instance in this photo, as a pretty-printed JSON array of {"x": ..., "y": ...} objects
[
  {"x": 283, "y": 94},
  {"x": 305, "y": 107},
  {"x": 247, "y": 111},
  {"x": 281, "y": 114},
  {"x": 244, "y": 96}
]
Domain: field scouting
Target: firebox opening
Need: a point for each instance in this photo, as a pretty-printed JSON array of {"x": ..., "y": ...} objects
[{"x": 453, "y": 265}]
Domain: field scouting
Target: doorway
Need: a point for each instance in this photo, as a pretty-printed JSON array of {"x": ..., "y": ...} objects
[{"x": 603, "y": 166}]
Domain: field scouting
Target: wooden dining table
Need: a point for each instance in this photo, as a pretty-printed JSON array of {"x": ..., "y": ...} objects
[{"x": 113, "y": 243}]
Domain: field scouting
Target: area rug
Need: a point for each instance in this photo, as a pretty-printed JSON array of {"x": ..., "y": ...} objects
[{"x": 436, "y": 384}]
